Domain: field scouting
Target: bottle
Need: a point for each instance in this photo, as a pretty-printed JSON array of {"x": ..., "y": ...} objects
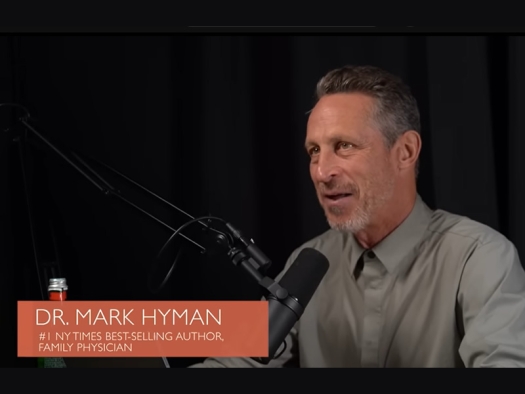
[{"x": 57, "y": 291}]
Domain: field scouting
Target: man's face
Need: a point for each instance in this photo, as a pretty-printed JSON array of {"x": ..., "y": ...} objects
[{"x": 351, "y": 167}]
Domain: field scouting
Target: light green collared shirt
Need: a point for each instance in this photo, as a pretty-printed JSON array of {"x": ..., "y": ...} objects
[{"x": 440, "y": 291}]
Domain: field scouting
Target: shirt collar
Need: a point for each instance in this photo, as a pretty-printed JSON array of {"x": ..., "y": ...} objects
[{"x": 400, "y": 243}]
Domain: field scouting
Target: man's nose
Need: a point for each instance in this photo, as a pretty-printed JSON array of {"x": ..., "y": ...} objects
[{"x": 327, "y": 167}]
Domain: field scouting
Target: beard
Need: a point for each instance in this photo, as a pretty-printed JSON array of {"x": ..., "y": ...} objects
[
  {"x": 358, "y": 221},
  {"x": 374, "y": 194}
]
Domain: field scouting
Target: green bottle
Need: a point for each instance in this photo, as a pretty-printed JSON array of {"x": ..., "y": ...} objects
[{"x": 57, "y": 291}]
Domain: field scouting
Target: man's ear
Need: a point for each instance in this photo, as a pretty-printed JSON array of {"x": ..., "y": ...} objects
[{"x": 408, "y": 147}]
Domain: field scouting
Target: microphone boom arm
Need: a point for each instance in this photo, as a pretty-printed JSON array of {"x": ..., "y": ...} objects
[
  {"x": 252, "y": 259},
  {"x": 96, "y": 179}
]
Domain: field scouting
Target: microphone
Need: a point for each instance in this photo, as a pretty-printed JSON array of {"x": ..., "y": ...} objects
[{"x": 287, "y": 304}]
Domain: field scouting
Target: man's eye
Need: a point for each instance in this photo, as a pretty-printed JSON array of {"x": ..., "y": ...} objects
[
  {"x": 345, "y": 145},
  {"x": 313, "y": 151}
]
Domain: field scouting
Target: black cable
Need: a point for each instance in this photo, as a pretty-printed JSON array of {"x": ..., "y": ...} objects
[
  {"x": 284, "y": 349},
  {"x": 225, "y": 236},
  {"x": 18, "y": 106},
  {"x": 195, "y": 220}
]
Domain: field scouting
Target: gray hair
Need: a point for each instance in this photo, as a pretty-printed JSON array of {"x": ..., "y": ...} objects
[{"x": 396, "y": 110}]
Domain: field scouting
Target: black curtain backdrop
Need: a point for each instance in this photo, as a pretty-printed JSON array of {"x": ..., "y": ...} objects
[{"x": 216, "y": 124}]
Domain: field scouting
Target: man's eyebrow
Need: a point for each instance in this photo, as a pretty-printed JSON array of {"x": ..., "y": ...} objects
[{"x": 332, "y": 140}]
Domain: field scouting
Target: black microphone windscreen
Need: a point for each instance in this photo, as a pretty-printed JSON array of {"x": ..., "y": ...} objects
[{"x": 304, "y": 275}]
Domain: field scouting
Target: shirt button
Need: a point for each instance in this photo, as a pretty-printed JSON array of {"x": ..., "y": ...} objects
[{"x": 371, "y": 254}]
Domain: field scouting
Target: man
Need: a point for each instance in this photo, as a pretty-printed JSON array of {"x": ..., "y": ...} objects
[{"x": 407, "y": 286}]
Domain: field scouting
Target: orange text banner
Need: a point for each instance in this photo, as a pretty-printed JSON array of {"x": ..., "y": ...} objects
[{"x": 142, "y": 329}]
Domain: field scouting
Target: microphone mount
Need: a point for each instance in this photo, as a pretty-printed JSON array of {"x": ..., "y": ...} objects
[{"x": 271, "y": 288}]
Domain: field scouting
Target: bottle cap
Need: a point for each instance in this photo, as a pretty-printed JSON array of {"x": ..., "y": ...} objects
[{"x": 57, "y": 284}]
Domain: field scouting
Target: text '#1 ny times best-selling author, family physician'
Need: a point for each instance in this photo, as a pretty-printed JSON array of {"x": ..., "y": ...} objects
[
  {"x": 115, "y": 341},
  {"x": 131, "y": 317}
]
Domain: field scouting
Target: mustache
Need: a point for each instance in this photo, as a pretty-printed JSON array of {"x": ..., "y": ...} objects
[{"x": 333, "y": 186}]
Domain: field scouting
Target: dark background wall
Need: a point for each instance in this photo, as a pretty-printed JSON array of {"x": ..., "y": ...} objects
[{"x": 215, "y": 124}]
